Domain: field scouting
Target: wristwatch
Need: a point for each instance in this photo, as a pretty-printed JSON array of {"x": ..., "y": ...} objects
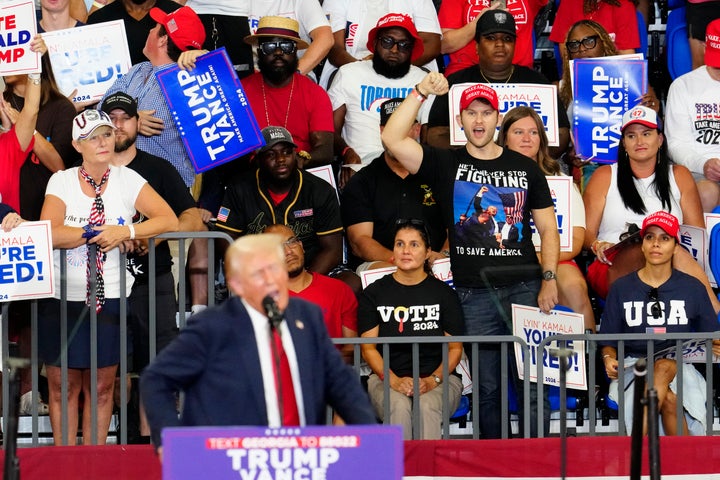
[
  {"x": 549, "y": 275},
  {"x": 35, "y": 78},
  {"x": 437, "y": 379}
]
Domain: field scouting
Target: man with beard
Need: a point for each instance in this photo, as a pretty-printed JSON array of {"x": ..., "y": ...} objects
[
  {"x": 359, "y": 88},
  {"x": 278, "y": 191},
  {"x": 336, "y": 300},
  {"x": 279, "y": 95},
  {"x": 135, "y": 16},
  {"x": 122, "y": 109}
]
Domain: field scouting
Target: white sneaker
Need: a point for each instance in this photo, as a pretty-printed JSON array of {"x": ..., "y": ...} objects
[{"x": 26, "y": 405}]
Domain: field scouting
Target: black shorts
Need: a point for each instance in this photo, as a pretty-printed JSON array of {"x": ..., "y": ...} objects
[
  {"x": 698, "y": 16},
  {"x": 79, "y": 339}
]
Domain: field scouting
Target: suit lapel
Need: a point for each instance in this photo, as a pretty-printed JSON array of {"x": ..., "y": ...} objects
[
  {"x": 305, "y": 354},
  {"x": 250, "y": 360}
]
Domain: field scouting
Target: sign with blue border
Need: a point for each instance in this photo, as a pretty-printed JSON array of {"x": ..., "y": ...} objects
[
  {"x": 210, "y": 110},
  {"x": 604, "y": 89}
]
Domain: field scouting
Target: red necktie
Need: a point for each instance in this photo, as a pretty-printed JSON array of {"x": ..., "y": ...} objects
[{"x": 286, "y": 394}]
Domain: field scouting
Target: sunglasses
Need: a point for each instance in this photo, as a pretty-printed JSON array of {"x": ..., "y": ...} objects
[
  {"x": 291, "y": 242},
  {"x": 655, "y": 308},
  {"x": 401, "y": 222},
  {"x": 403, "y": 45},
  {"x": 287, "y": 47},
  {"x": 587, "y": 42},
  {"x": 415, "y": 224}
]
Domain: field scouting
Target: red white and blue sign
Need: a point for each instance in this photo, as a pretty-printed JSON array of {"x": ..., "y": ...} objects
[
  {"x": 604, "y": 89},
  {"x": 211, "y": 111},
  {"x": 347, "y": 453}
]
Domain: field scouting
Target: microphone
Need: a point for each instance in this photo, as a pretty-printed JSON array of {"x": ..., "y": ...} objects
[
  {"x": 636, "y": 446},
  {"x": 273, "y": 312}
]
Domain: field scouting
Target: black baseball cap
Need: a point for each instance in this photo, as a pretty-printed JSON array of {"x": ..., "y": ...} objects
[
  {"x": 123, "y": 101},
  {"x": 495, "y": 21},
  {"x": 387, "y": 108}
]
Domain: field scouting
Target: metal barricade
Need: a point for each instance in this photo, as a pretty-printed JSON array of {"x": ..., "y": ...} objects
[
  {"x": 472, "y": 346},
  {"x": 472, "y": 343},
  {"x": 39, "y": 426}
]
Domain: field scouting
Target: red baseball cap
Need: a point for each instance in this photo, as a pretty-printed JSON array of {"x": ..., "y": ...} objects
[
  {"x": 667, "y": 221},
  {"x": 479, "y": 91},
  {"x": 712, "y": 44},
  {"x": 397, "y": 20},
  {"x": 183, "y": 25}
]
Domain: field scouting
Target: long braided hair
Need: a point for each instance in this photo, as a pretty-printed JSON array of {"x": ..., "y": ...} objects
[{"x": 608, "y": 48}]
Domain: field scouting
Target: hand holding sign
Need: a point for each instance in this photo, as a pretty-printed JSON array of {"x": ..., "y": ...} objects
[
  {"x": 26, "y": 260},
  {"x": 18, "y": 30},
  {"x": 37, "y": 45},
  {"x": 187, "y": 59},
  {"x": 10, "y": 221}
]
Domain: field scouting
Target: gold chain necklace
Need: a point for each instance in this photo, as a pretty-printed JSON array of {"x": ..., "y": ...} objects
[
  {"x": 512, "y": 70},
  {"x": 287, "y": 112}
]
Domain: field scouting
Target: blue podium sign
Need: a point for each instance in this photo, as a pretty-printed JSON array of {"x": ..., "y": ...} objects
[
  {"x": 307, "y": 453},
  {"x": 211, "y": 111},
  {"x": 604, "y": 89}
]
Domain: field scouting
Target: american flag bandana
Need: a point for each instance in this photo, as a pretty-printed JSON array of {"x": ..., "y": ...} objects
[{"x": 97, "y": 218}]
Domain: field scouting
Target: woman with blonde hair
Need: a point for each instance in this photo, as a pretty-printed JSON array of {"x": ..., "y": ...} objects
[{"x": 92, "y": 205}]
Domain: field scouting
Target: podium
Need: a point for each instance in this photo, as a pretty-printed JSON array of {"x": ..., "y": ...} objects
[{"x": 298, "y": 453}]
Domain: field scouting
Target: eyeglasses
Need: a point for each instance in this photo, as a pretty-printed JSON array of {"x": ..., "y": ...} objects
[
  {"x": 655, "y": 308},
  {"x": 403, "y": 45},
  {"x": 587, "y": 42},
  {"x": 287, "y": 47},
  {"x": 291, "y": 242}
]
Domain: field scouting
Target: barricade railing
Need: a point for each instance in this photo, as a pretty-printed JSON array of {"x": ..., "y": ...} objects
[
  {"x": 472, "y": 346},
  {"x": 61, "y": 284},
  {"x": 591, "y": 341}
]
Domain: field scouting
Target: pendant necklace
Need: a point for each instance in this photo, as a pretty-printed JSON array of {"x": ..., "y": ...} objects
[{"x": 287, "y": 112}]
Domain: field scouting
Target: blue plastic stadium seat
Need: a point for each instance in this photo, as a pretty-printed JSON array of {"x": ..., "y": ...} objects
[
  {"x": 642, "y": 30},
  {"x": 677, "y": 45}
]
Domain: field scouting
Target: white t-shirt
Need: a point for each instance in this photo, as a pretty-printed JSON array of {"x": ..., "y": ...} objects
[
  {"x": 692, "y": 120},
  {"x": 123, "y": 187},
  {"x": 357, "y": 18},
  {"x": 362, "y": 91},
  {"x": 235, "y": 8}
]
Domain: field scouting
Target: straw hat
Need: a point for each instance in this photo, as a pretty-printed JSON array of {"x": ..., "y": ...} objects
[{"x": 282, "y": 27}]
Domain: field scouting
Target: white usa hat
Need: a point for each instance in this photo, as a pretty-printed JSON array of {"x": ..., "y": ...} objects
[{"x": 89, "y": 120}]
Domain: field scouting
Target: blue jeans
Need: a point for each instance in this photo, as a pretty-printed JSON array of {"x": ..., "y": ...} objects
[{"x": 488, "y": 312}]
